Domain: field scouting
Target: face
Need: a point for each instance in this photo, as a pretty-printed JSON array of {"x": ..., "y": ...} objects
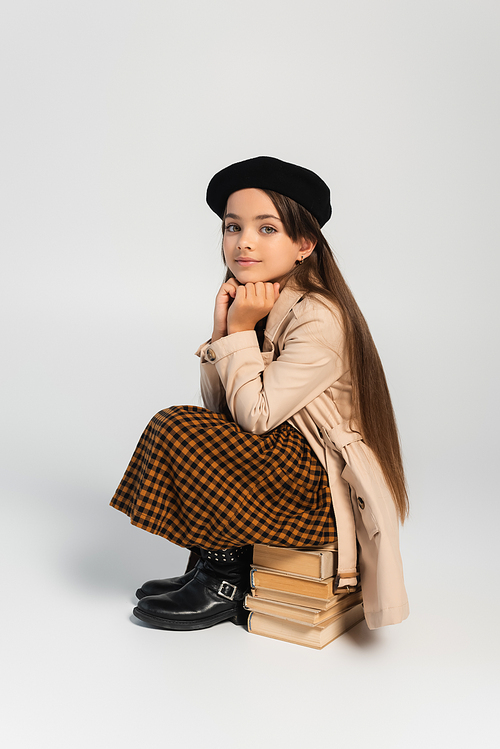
[{"x": 256, "y": 247}]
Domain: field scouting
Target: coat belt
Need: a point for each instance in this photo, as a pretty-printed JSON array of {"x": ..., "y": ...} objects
[
  {"x": 339, "y": 436},
  {"x": 336, "y": 439}
]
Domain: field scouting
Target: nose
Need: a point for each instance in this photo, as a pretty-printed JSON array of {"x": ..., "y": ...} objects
[{"x": 245, "y": 240}]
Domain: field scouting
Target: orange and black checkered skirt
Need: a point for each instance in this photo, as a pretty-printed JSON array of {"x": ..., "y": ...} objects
[{"x": 199, "y": 480}]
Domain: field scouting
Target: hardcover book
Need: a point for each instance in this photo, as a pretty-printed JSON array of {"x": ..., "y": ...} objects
[
  {"x": 318, "y": 563},
  {"x": 296, "y": 599},
  {"x": 284, "y": 581},
  {"x": 303, "y": 634},
  {"x": 302, "y": 614}
]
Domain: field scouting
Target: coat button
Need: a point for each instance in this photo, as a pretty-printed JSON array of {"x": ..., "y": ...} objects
[
  {"x": 361, "y": 503},
  {"x": 210, "y": 354}
]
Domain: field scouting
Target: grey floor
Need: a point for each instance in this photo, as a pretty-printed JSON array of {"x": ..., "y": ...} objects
[{"x": 80, "y": 671}]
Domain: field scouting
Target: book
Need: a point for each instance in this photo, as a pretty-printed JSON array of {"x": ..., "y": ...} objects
[
  {"x": 317, "y": 563},
  {"x": 284, "y": 581},
  {"x": 303, "y": 634},
  {"x": 302, "y": 614},
  {"x": 296, "y": 599}
]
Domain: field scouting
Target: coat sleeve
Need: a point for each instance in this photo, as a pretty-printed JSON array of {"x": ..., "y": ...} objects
[
  {"x": 261, "y": 397},
  {"x": 210, "y": 384}
]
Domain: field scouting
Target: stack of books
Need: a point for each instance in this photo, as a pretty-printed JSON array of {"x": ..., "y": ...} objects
[{"x": 292, "y": 596}]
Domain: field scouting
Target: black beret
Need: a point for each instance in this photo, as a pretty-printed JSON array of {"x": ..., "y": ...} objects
[{"x": 268, "y": 173}]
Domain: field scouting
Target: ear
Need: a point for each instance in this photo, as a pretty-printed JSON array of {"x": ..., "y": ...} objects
[{"x": 306, "y": 247}]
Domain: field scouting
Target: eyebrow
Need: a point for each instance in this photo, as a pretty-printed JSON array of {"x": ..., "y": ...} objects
[{"x": 256, "y": 218}]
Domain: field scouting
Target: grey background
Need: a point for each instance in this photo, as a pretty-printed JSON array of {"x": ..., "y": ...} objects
[{"x": 114, "y": 117}]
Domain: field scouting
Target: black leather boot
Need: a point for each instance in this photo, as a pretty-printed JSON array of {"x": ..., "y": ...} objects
[
  {"x": 157, "y": 587},
  {"x": 215, "y": 594}
]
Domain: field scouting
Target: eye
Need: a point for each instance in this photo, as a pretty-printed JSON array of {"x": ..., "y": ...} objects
[
  {"x": 232, "y": 228},
  {"x": 268, "y": 229}
]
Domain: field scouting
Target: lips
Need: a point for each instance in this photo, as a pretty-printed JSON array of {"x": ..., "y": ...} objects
[{"x": 246, "y": 261}]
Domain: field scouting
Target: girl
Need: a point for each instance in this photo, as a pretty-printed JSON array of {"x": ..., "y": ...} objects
[{"x": 297, "y": 444}]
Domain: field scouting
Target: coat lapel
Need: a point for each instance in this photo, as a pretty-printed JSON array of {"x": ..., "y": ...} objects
[{"x": 287, "y": 299}]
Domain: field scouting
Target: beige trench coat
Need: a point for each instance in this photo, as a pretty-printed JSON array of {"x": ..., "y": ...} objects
[{"x": 301, "y": 376}]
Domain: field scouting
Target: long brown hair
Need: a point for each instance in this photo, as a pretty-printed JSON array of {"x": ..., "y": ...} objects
[{"x": 372, "y": 411}]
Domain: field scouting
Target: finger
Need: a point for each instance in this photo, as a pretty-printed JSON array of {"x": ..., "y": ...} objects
[
  {"x": 276, "y": 288},
  {"x": 260, "y": 290},
  {"x": 241, "y": 292},
  {"x": 269, "y": 292},
  {"x": 229, "y": 288}
]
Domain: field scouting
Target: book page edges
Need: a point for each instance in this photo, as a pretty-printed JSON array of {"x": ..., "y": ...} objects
[
  {"x": 302, "y": 634},
  {"x": 301, "y": 614},
  {"x": 317, "y": 564},
  {"x": 272, "y": 579},
  {"x": 295, "y": 575},
  {"x": 296, "y": 599}
]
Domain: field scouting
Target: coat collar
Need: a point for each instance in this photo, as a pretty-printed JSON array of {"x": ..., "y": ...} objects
[{"x": 287, "y": 299}]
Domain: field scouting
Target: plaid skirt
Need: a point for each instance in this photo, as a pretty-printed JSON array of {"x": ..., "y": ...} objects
[{"x": 199, "y": 480}]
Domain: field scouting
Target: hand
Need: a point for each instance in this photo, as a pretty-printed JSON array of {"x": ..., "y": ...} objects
[
  {"x": 223, "y": 300},
  {"x": 252, "y": 302}
]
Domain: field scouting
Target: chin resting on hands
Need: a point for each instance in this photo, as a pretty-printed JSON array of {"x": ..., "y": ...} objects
[
  {"x": 251, "y": 303},
  {"x": 240, "y": 306}
]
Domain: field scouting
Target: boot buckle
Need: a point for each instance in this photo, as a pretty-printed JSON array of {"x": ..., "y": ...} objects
[{"x": 225, "y": 590}]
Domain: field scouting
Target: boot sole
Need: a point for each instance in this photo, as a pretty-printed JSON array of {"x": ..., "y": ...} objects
[{"x": 188, "y": 625}]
